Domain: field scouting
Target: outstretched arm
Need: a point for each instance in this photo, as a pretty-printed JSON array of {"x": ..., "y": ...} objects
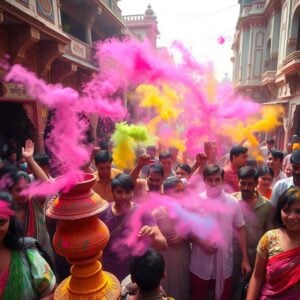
[
  {"x": 159, "y": 242},
  {"x": 27, "y": 153},
  {"x": 200, "y": 162},
  {"x": 143, "y": 161}
]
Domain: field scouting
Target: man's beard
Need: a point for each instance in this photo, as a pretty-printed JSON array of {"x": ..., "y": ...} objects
[{"x": 247, "y": 195}]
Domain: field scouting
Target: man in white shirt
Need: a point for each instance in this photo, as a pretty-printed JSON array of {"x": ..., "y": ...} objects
[
  {"x": 212, "y": 257},
  {"x": 283, "y": 184}
]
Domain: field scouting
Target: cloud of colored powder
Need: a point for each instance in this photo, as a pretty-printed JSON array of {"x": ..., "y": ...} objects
[
  {"x": 190, "y": 107},
  {"x": 196, "y": 108},
  {"x": 66, "y": 141},
  {"x": 126, "y": 139}
]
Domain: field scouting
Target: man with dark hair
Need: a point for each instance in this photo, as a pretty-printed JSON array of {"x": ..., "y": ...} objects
[
  {"x": 43, "y": 160},
  {"x": 238, "y": 159},
  {"x": 183, "y": 170},
  {"x": 286, "y": 183},
  {"x": 165, "y": 159},
  {"x": 151, "y": 152},
  {"x": 212, "y": 260},
  {"x": 257, "y": 213},
  {"x": 147, "y": 272},
  {"x": 117, "y": 218},
  {"x": 154, "y": 177},
  {"x": 11, "y": 158},
  {"x": 275, "y": 160},
  {"x": 266, "y": 149},
  {"x": 104, "y": 174}
]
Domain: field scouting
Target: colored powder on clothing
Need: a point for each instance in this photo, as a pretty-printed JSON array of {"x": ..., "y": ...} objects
[{"x": 187, "y": 213}]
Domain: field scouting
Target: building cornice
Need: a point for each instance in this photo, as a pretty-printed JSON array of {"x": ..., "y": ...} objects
[
  {"x": 31, "y": 21},
  {"x": 258, "y": 19}
]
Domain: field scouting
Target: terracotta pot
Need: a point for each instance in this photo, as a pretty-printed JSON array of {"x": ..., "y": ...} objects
[{"x": 80, "y": 237}]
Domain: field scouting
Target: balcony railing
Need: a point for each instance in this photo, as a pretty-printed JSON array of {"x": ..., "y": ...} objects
[
  {"x": 133, "y": 18},
  {"x": 268, "y": 76},
  {"x": 80, "y": 50},
  {"x": 256, "y": 7},
  {"x": 291, "y": 64},
  {"x": 292, "y": 57}
]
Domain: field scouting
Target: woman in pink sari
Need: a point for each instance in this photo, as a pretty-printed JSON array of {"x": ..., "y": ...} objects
[{"x": 276, "y": 273}]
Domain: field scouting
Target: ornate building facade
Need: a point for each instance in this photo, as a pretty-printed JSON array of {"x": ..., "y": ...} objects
[
  {"x": 266, "y": 61},
  {"x": 54, "y": 39}
]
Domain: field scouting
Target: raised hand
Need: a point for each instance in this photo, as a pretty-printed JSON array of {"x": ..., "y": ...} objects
[
  {"x": 28, "y": 149},
  {"x": 201, "y": 159},
  {"x": 144, "y": 160}
]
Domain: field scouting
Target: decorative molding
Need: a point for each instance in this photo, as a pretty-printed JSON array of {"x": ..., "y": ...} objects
[
  {"x": 24, "y": 2},
  {"x": 64, "y": 70},
  {"x": 50, "y": 50},
  {"x": 45, "y": 9},
  {"x": 23, "y": 39},
  {"x": 14, "y": 91}
]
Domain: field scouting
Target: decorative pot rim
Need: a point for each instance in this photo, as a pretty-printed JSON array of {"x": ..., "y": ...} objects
[{"x": 71, "y": 217}]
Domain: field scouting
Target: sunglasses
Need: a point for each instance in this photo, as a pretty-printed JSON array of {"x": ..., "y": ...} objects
[{"x": 3, "y": 221}]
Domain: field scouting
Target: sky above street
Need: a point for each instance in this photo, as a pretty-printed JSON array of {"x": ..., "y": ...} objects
[{"x": 197, "y": 24}]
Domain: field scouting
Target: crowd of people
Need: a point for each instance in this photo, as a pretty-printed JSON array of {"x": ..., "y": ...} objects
[{"x": 248, "y": 249}]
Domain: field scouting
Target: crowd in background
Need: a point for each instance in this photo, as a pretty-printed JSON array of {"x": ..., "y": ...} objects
[{"x": 253, "y": 204}]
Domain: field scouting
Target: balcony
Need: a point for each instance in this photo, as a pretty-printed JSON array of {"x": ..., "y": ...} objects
[
  {"x": 113, "y": 6},
  {"x": 291, "y": 64},
  {"x": 256, "y": 7},
  {"x": 133, "y": 18},
  {"x": 80, "y": 52},
  {"x": 268, "y": 76},
  {"x": 268, "y": 79}
]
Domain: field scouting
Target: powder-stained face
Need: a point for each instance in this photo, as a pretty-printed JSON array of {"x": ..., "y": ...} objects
[
  {"x": 167, "y": 164},
  {"x": 181, "y": 173},
  {"x": 151, "y": 152},
  {"x": 213, "y": 184},
  {"x": 17, "y": 191},
  {"x": 154, "y": 181},
  {"x": 122, "y": 197},
  {"x": 104, "y": 170}
]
